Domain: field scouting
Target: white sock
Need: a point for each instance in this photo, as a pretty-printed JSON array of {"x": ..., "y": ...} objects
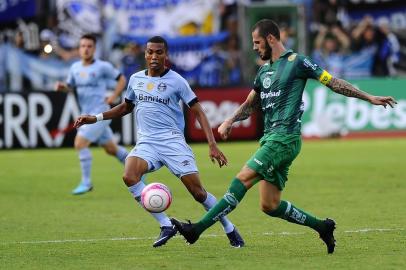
[
  {"x": 121, "y": 154},
  {"x": 209, "y": 203},
  {"x": 85, "y": 157},
  {"x": 136, "y": 190}
]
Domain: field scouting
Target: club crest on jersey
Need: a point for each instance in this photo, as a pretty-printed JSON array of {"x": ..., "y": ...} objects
[
  {"x": 292, "y": 57},
  {"x": 266, "y": 83},
  {"x": 150, "y": 86},
  {"x": 161, "y": 87}
]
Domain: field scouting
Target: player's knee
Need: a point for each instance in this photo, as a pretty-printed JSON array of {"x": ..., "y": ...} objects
[
  {"x": 269, "y": 206},
  {"x": 242, "y": 176},
  {"x": 79, "y": 146},
  {"x": 80, "y": 143},
  {"x": 247, "y": 177}
]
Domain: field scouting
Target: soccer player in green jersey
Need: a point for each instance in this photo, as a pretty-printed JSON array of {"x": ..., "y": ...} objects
[{"x": 277, "y": 92}]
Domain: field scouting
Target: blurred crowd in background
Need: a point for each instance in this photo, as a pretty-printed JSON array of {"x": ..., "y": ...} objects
[
  {"x": 351, "y": 39},
  {"x": 337, "y": 37}
]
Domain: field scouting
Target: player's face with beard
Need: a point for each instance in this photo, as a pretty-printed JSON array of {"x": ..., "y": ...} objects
[
  {"x": 261, "y": 46},
  {"x": 155, "y": 55}
]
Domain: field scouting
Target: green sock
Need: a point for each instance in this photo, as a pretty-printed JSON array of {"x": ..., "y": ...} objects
[
  {"x": 291, "y": 213},
  {"x": 224, "y": 206}
]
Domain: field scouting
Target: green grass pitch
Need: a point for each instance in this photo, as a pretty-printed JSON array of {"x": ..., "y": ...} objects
[{"x": 359, "y": 183}]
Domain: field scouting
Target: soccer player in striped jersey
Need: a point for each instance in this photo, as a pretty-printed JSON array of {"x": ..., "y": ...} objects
[{"x": 277, "y": 93}]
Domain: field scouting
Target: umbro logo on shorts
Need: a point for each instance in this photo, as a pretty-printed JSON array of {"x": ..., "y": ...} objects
[{"x": 185, "y": 162}]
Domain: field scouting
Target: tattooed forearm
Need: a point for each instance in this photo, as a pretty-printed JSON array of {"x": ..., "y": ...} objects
[
  {"x": 345, "y": 88},
  {"x": 242, "y": 113},
  {"x": 246, "y": 109}
]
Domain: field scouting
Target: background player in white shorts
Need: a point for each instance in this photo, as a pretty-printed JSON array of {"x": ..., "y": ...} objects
[
  {"x": 90, "y": 77},
  {"x": 155, "y": 94}
]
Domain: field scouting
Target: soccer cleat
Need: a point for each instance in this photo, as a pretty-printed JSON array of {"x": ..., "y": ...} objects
[
  {"x": 167, "y": 232},
  {"x": 186, "y": 229},
  {"x": 81, "y": 189},
  {"x": 328, "y": 235},
  {"x": 235, "y": 238}
]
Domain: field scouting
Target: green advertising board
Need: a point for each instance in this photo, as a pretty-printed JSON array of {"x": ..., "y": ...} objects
[{"x": 327, "y": 113}]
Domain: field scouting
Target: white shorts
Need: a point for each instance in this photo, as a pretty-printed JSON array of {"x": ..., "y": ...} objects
[
  {"x": 99, "y": 132},
  {"x": 175, "y": 154}
]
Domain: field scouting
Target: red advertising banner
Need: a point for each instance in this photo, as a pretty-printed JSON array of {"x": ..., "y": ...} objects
[{"x": 219, "y": 104}]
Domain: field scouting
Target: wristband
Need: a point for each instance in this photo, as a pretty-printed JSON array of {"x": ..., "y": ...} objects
[{"x": 99, "y": 117}]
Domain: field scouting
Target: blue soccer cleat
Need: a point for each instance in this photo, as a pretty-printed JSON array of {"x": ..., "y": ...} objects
[
  {"x": 235, "y": 239},
  {"x": 167, "y": 232},
  {"x": 81, "y": 189}
]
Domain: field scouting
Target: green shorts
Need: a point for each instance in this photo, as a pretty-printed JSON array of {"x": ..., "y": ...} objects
[{"x": 274, "y": 157}]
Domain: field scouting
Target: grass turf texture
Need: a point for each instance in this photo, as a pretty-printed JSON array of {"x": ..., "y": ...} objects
[{"x": 361, "y": 184}]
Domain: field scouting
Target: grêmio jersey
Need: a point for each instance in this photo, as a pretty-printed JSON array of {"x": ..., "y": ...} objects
[
  {"x": 91, "y": 83},
  {"x": 157, "y": 100},
  {"x": 280, "y": 85}
]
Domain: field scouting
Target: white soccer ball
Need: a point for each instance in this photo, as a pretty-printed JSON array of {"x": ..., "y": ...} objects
[{"x": 156, "y": 197}]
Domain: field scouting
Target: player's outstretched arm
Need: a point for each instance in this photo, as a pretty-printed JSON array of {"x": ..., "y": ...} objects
[
  {"x": 117, "y": 111},
  {"x": 215, "y": 153},
  {"x": 243, "y": 112},
  {"x": 85, "y": 119},
  {"x": 62, "y": 87},
  {"x": 345, "y": 88}
]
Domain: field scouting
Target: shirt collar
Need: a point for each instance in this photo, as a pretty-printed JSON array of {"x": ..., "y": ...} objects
[
  {"x": 161, "y": 75},
  {"x": 285, "y": 53}
]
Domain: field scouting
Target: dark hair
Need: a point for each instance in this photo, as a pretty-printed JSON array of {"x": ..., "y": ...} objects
[
  {"x": 266, "y": 27},
  {"x": 89, "y": 36},
  {"x": 158, "y": 39}
]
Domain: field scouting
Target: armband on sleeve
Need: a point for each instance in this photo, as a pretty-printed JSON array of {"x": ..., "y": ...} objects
[{"x": 325, "y": 77}]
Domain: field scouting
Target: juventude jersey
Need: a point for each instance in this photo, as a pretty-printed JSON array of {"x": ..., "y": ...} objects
[
  {"x": 158, "y": 110},
  {"x": 280, "y": 85},
  {"x": 91, "y": 83}
]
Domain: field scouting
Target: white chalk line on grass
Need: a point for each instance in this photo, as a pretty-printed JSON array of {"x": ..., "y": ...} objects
[
  {"x": 366, "y": 230},
  {"x": 374, "y": 230}
]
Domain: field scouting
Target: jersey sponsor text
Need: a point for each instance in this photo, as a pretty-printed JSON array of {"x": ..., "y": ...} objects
[{"x": 156, "y": 99}]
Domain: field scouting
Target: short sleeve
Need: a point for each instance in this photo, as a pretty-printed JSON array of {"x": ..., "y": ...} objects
[
  {"x": 257, "y": 83},
  {"x": 129, "y": 94},
  {"x": 186, "y": 93},
  {"x": 70, "y": 81},
  {"x": 308, "y": 69},
  {"x": 111, "y": 84},
  {"x": 110, "y": 72}
]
